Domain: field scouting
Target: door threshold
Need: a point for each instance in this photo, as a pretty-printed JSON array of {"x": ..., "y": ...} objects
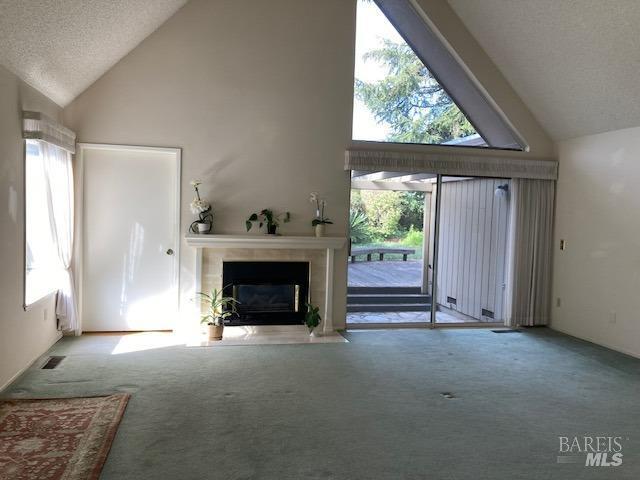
[{"x": 390, "y": 326}]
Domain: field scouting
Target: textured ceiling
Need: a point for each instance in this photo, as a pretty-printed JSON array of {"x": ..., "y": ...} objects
[
  {"x": 60, "y": 47},
  {"x": 575, "y": 63}
]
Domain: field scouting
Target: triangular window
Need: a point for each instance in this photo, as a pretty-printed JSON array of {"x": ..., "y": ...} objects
[{"x": 398, "y": 99}]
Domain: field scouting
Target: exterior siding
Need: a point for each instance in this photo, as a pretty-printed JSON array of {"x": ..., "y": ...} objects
[{"x": 473, "y": 242}]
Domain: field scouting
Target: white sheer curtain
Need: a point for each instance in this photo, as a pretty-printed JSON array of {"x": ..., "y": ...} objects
[
  {"x": 59, "y": 181},
  {"x": 530, "y": 248}
]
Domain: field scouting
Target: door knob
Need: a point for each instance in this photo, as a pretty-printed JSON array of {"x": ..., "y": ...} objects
[{"x": 170, "y": 252}]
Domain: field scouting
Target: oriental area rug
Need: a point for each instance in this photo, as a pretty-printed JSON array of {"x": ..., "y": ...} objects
[{"x": 58, "y": 438}]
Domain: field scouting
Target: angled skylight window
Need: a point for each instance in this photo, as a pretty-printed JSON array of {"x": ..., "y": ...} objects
[{"x": 398, "y": 99}]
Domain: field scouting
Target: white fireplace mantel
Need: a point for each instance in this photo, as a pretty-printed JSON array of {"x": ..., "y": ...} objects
[
  {"x": 265, "y": 241},
  {"x": 281, "y": 242}
]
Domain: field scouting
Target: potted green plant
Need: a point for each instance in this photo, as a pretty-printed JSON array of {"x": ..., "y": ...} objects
[
  {"x": 312, "y": 319},
  {"x": 320, "y": 221},
  {"x": 218, "y": 307},
  {"x": 268, "y": 218}
]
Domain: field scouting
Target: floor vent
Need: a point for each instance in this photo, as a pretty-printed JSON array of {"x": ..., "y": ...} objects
[
  {"x": 507, "y": 330},
  {"x": 53, "y": 362},
  {"x": 448, "y": 395}
]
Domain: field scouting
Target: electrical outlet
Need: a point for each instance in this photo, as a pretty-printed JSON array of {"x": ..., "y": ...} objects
[
  {"x": 558, "y": 302},
  {"x": 44, "y": 314},
  {"x": 613, "y": 316}
]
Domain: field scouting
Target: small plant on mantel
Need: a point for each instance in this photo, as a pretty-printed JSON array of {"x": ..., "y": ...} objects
[
  {"x": 268, "y": 218},
  {"x": 218, "y": 307},
  {"x": 312, "y": 318},
  {"x": 320, "y": 221}
]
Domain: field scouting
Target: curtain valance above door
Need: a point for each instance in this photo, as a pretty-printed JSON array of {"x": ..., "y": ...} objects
[
  {"x": 38, "y": 126},
  {"x": 473, "y": 163}
]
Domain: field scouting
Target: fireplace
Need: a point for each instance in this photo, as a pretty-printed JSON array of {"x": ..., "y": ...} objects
[{"x": 269, "y": 293}]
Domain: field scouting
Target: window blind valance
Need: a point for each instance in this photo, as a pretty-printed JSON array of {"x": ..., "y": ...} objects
[
  {"x": 38, "y": 126},
  {"x": 450, "y": 163}
]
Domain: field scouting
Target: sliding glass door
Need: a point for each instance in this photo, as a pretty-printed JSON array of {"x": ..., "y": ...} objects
[
  {"x": 389, "y": 269},
  {"x": 427, "y": 250}
]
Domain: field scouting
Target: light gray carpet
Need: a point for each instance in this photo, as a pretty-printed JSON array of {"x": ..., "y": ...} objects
[{"x": 369, "y": 409}]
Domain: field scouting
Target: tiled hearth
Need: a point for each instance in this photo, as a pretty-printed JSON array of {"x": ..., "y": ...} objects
[{"x": 266, "y": 335}]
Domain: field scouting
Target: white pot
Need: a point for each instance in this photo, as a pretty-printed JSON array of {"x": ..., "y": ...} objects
[
  {"x": 203, "y": 227},
  {"x": 320, "y": 230},
  {"x": 314, "y": 333}
]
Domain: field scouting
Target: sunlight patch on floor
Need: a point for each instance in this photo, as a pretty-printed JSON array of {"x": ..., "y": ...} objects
[{"x": 138, "y": 342}]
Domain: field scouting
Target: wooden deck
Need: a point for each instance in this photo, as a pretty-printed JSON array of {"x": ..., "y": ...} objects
[{"x": 385, "y": 274}]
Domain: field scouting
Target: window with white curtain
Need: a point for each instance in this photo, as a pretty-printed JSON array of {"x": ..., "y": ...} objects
[{"x": 42, "y": 269}]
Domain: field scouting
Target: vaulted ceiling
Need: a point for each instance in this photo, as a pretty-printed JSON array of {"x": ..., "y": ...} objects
[
  {"x": 61, "y": 47},
  {"x": 575, "y": 63}
]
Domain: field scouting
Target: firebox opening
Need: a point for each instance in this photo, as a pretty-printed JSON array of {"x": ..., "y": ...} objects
[{"x": 269, "y": 293}]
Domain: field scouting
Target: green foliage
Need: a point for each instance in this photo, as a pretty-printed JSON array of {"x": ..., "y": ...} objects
[
  {"x": 381, "y": 215},
  {"x": 218, "y": 306},
  {"x": 410, "y": 99},
  {"x": 312, "y": 317},
  {"x": 358, "y": 226},
  {"x": 412, "y": 210},
  {"x": 413, "y": 238},
  {"x": 268, "y": 218},
  {"x": 384, "y": 210}
]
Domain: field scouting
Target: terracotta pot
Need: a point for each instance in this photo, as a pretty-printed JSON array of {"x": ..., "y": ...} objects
[
  {"x": 320, "y": 230},
  {"x": 215, "y": 332}
]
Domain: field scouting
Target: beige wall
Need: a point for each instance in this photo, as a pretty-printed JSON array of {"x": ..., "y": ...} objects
[
  {"x": 258, "y": 95},
  {"x": 597, "y": 276},
  {"x": 24, "y": 336}
]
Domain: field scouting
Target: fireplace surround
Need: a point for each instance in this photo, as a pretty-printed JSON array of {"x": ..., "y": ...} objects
[
  {"x": 269, "y": 293},
  {"x": 212, "y": 251}
]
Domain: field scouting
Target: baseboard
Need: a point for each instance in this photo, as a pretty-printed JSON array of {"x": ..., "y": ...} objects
[
  {"x": 596, "y": 342},
  {"x": 30, "y": 364}
]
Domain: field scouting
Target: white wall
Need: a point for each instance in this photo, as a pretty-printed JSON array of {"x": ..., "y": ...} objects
[
  {"x": 597, "y": 276},
  {"x": 24, "y": 336},
  {"x": 258, "y": 95}
]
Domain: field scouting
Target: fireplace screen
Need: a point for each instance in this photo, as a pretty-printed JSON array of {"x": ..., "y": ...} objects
[
  {"x": 269, "y": 293},
  {"x": 267, "y": 298}
]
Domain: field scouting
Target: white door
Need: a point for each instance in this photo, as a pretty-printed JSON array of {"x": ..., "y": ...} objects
[{"x": 130, "y": 237}]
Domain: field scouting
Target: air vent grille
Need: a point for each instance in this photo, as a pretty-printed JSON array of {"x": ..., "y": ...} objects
[
  {"x": 452, "y": 301},
  {"x": 53, "y": 362},
  {"x": 487, "y": 313}
]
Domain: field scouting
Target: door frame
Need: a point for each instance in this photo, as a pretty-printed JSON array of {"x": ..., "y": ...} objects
[{"x": 78, "y": 246}]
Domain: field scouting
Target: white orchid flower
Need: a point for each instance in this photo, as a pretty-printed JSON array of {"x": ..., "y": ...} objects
[{"x": 199, "y": 206}]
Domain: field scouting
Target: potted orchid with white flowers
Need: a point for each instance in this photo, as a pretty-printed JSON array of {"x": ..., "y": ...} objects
[
  {"x": 320, "y": 221},
  {"x": 201, "y": 208}
]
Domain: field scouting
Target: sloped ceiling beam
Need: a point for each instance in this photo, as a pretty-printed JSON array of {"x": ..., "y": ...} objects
[{"x": 427, "y": 45}]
